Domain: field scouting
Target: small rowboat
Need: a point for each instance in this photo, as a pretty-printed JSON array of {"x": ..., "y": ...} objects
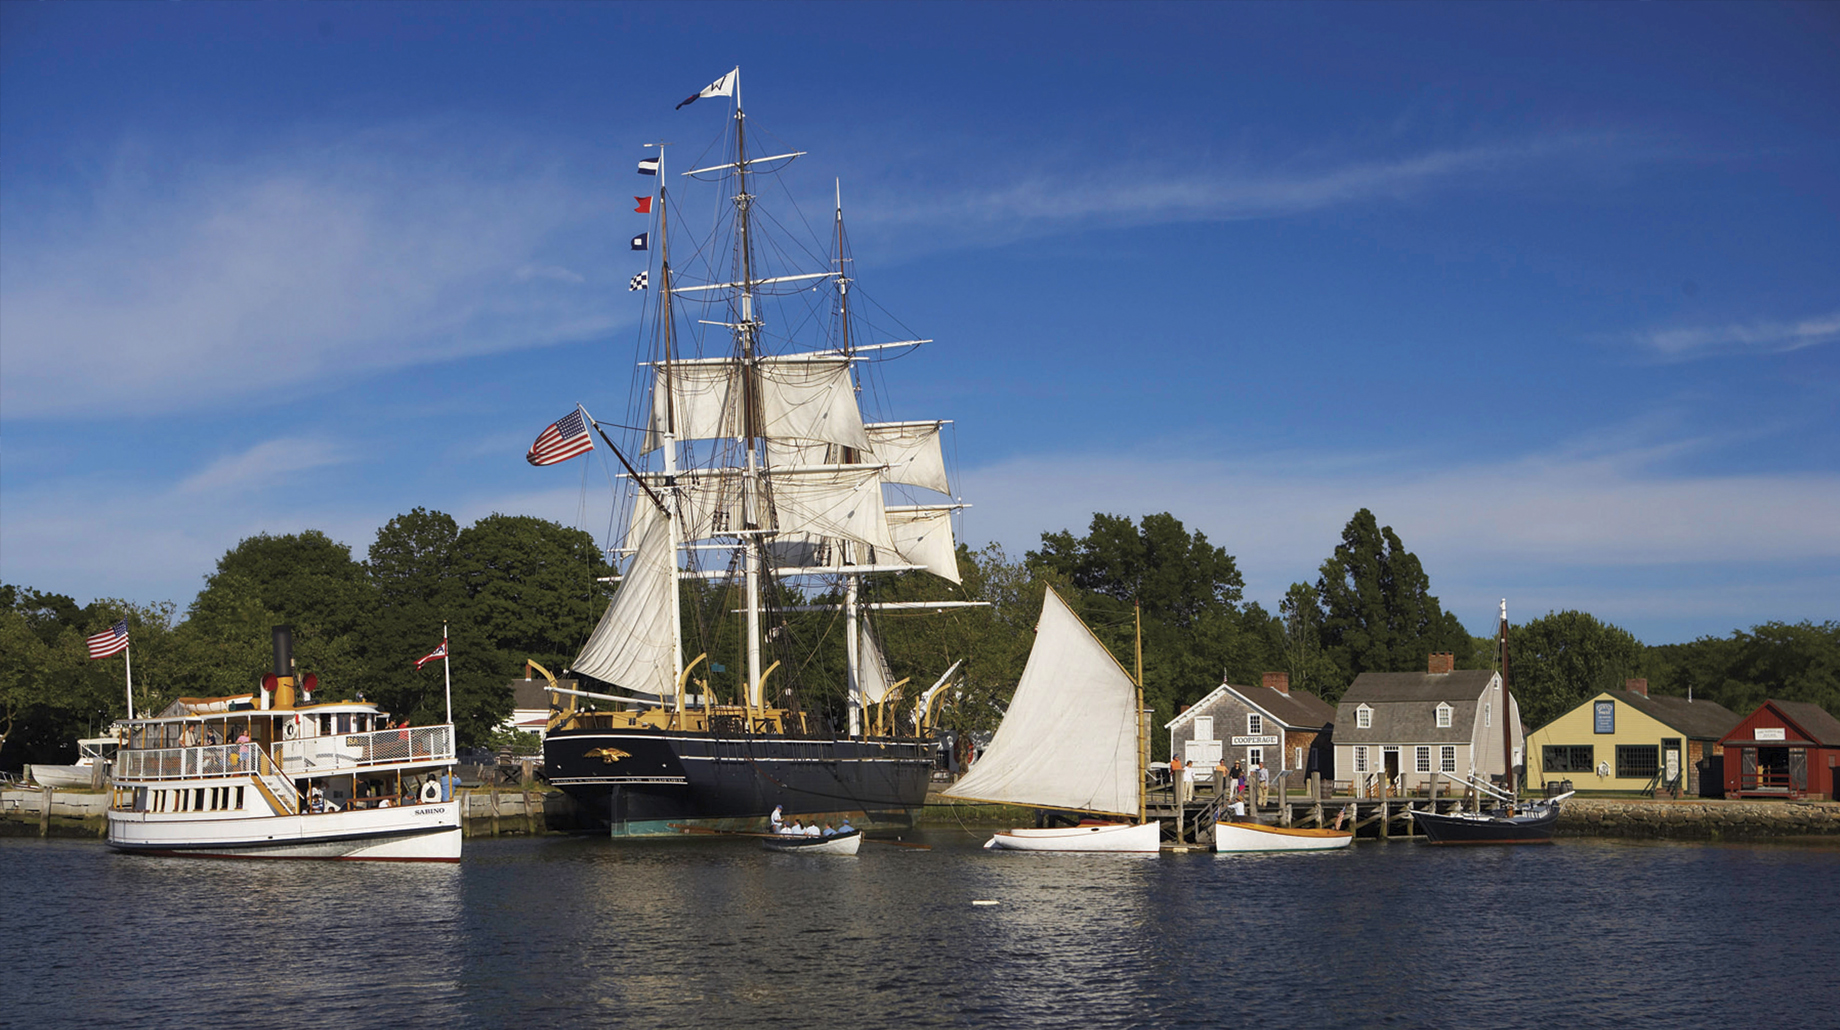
[
  {"x": 836, "y": 844},
  {"x": 1139, "y": 837},
  {"x": 1252, "y": 837}
]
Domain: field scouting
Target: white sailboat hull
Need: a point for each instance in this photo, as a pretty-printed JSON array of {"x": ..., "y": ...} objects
[
  {"x": 1240, "y": 838},
  {"x": 1123, "y": 837}
]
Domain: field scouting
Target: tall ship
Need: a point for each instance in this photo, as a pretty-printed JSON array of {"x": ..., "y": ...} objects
[
  {"x": 768, "y": 526},
  {"x": 270, "y": 774}
]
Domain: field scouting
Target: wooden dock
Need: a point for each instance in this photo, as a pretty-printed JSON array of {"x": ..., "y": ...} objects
[{"x": 1375, "y": 814}]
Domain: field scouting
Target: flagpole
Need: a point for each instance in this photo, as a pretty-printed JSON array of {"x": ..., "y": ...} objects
[
  {"x": 128, "y": 656},
  {"x": 447, "y": 675}
]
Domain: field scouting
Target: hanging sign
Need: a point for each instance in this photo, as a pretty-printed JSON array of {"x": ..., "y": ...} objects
[
  {"x": 1603, "y": 717},
  {"x": 1768, "y": 733}
]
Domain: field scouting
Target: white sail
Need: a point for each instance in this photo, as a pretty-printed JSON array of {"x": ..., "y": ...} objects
[
  {"x": 874, "y": 678},
  {"x": 803, "y": 397},
  {"x": 911, "y": 452},
  {"x": 922, "y": 535},
  {"x": 839, "y": 501},
  {"x": 1069, "y": 739},
  {"x": 632, "y": 645}
]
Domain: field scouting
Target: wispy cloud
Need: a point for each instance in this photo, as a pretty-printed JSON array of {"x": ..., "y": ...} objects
[
  {"x": 1028, "y": 199},
  {"x": 174, "y": 283},
  {"x": 263, "y": 465},
  {"x": 1604, "y": 523},
  {"x": 1762, "y": 337}
]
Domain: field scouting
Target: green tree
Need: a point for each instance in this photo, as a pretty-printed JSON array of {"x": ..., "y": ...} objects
[
  {"x": 1310, "y": 667},
  {"x": 1788, "y": 661},
  {"x": 1559, "y": 660},
  {"x": 416, "y": 591},
  {"x": 1378, "y": 611},
  {"x": 1195, "y": 629}
]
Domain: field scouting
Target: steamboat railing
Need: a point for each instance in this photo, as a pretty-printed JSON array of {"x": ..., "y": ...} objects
[
  {"x": 306, "y": 756},
  {"x": 318, "y": 756}
]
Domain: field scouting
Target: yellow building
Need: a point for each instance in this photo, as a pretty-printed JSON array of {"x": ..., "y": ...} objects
[{"x": 1626, "y": 740}]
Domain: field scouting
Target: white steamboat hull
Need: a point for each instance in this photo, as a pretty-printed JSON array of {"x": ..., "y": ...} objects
[
  {"x": 1121, "y": 837},
  {"x": 1251, "y": 837},
  {"x": 411, "y": 833}
]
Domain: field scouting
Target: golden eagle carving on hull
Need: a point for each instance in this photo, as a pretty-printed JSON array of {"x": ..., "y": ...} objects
[{"x": 609, "y": 755}]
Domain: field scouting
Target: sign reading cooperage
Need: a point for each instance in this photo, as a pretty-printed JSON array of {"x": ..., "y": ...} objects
[{"x": 1260, "y": 740}]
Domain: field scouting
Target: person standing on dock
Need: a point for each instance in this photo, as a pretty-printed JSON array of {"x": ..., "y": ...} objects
[{"x": 1264, "y": 785}]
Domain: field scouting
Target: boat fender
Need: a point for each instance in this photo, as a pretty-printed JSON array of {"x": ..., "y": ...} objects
[
  {"x": 431, "y": 791},
  {"x": 289, "y": 728}
]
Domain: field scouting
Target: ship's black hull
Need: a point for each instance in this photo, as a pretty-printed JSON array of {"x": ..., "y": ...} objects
[
  {"x": 639, "y": 782},
  {"x": 1531, "y": 826}
]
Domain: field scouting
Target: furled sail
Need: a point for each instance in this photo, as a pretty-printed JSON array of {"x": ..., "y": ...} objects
[
  {"x": 922, "y": 535},
  {"x": 911, "y": 453},
  {"x": 1069, "y": 739},
  {"x": 801, "y": 397},
  {"x": 632, "y": 645}
]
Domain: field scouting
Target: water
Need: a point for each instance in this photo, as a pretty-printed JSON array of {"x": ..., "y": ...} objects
[{"x": 717, "y": 933}]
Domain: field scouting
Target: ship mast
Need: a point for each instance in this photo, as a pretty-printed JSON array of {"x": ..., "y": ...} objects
[
  {"x": 669, "y": 441},
  {"x": 1507, "y": 729},
  {"x": 852, "y": 581},
  {"x": 746, "y": 339}
]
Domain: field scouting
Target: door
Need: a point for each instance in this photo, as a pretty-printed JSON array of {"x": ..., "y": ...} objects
[
  {"x": 1670, "y": 763},
  {"x": 1747, "y": 774},
  {"x": 1798, "y": 770}
]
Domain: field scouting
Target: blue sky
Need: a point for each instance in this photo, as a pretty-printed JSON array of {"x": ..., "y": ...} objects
[{"x": 1553, "y": 289}]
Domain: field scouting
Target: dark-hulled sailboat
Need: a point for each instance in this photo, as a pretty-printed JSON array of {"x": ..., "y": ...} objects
[
  {"x": 1510, "y": 821},
  {"x": 753, "y": 467}
]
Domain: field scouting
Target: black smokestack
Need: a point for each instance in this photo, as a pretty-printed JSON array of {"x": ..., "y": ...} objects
[{"x": 284, "y": 650}]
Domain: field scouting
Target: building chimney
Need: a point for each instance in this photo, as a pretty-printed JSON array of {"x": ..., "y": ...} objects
[
  {"x": 1636, "y": 686},
  {"x": 1279, "y": 681},
  {"x": 1442, "y": 662}
]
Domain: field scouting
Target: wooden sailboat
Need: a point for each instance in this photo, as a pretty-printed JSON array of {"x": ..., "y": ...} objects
[
  {"x": 1510, "y": 822},
  {"x": 1072, "y": 741}
]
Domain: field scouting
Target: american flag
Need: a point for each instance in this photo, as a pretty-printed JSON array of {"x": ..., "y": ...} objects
[
  {"x": 564, "y": 439},
  {"x": 110, "y": 641},
  {"x": 439, "y": 652}
]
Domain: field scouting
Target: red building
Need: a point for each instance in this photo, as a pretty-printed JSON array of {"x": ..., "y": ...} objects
[{"x": 1784, "y": 749}]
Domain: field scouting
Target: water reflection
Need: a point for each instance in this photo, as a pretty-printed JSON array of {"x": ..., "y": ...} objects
[{"x": 717, "y": 932}]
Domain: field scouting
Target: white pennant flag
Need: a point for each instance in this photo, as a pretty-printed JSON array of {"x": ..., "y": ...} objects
[{"x": 722, "y": 87}]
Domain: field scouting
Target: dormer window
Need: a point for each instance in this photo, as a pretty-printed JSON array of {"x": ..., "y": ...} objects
[
  {"x": 1255, "y": 724},
  {"x": 1363, "y": 718},
  {"x": 1444, "y": 712}
]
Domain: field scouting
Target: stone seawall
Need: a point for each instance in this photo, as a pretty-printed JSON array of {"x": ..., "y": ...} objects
[{"x": 1697, "y": 819}]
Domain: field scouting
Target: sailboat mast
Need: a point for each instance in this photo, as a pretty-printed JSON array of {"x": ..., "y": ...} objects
[
  {"x": 1507, "y": 728},
  {"x": 1143, "y": 732}
]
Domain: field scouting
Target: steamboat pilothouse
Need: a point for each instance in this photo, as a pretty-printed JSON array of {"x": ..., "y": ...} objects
[{"x": 269, "y": 774}]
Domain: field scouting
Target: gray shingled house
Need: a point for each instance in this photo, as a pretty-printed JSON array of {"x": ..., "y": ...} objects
[
  {"x": 1270, "y": 723},
  {"x": 1408, "y": 725}
]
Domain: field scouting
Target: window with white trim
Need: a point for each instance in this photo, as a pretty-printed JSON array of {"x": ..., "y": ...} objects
[
  {"x": 1255, "y": 724},
  {"x": 1360, "y": 758},
  {"x": 1443, "y": 715},
  {"x": 1363, "y": 718},
  {"x": 1421, "y": 759},
  {"x": 1447, "y": 759}
]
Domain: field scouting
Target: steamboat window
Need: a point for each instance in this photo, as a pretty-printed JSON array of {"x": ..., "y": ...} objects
[
  {"x": 1443, "y": 716},
  {"x": 1637, "y": 761},
  {"x": 1364, "y": 718},
  {"x": 198, "y": 799},
  {"x": 1422, "y": 758},
  {"x": 1447, "y": 760},
  {"x": 1255, "y": 724},
  {"x": 1578, "y": 758},
  {"x": 239, "y": 799}
]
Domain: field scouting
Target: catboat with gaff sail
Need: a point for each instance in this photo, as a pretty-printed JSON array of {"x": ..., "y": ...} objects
[
  {"x": 1071, "y": 741},
  {"x": 750, "y": 467}
]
